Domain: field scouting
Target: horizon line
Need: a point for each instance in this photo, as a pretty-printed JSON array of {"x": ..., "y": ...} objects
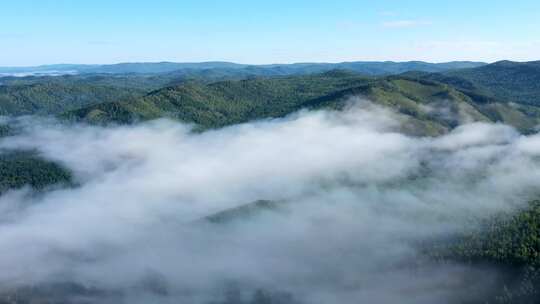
[{"x": 257, "y": 64}]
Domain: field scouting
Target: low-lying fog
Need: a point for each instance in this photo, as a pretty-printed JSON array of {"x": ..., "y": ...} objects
[{"x": 357, "y": 198}]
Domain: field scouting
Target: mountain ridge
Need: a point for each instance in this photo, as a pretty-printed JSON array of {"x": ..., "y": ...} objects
[{"x": 366, "y": 67}]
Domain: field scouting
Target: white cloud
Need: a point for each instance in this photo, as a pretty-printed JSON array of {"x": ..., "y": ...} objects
[
  {"x": 359, "y": 196},
  {"x": 405, "y": 23},
  {"x": 388, "y": 13}
]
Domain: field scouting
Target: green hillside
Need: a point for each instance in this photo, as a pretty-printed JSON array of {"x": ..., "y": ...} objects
[
  {"x": 121, "y": 81},
  {"x": 223, "y": 103},
  {"x": 55, "y": 97},
  {"x": 433, "y": 107},
  {"x": 509, "y": 243},
  {"x": 26, "y": 168},
  {"x": 517, "y": 82},
  {"x": 503, "y": 91}
]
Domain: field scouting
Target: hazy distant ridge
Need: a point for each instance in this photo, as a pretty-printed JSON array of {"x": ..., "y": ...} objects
[{"x": 363, "y": 67}]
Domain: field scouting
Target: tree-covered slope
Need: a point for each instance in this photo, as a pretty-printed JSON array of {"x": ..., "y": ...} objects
[
  {"x": 223, "y": 103},
  {"x": 512, "y": 239},
  {"x": 26, "y": 168},
  {"x": 120, "y": 81},
  {"x": 517, "y": 82},
  {"x": 508, "y": 243},
  {"x": 433, "y": 107},
  {"x": 55, "y": 97}
]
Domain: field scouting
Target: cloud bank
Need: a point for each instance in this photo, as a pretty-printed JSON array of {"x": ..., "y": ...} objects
[{"x": 357, "y": 196}]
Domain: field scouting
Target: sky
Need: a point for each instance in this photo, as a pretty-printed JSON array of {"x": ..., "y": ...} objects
[{"x": 34, "y": 32}]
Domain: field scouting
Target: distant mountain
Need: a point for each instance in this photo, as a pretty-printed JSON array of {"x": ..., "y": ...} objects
[
  {"x": 517, "y": 82},
  {"x": 44, "y": 70},
  {"x": 120, "y": 68},
  {"x": 158, "y": 67},
  {"x": 390, "y": 68},
  {"x": 362, "y": 67}
]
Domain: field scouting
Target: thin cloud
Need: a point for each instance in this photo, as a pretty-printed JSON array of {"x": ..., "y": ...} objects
[
  {"x": 388, "y": 13},
  {"x": 100, "y": 42},
  {"x": 405, "y": 23}
]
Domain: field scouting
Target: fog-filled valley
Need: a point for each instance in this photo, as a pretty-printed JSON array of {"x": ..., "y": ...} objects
[
  {"x": 355, "y": 202},
  {"x": 328, "y": 186}
]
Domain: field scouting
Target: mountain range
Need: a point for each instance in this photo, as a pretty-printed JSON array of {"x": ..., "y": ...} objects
[
  {"x": 436, "y": 97},
  {"x": 433, "y": 98},
  {"x": 363, "y": 67},
  {"x": 433, "y": 102}
]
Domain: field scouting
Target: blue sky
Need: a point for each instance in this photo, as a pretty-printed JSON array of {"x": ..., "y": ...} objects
[{"x": 36, "y": 32}]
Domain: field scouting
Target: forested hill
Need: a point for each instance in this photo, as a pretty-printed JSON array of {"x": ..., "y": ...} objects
[
  {"x": 57, "y": 97},
  {"x": 518, "y": 82},
  {"x": 218, "y": 94},
  {"x": 229, "y": 102},
  {"x": 26, "y": 168}
]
